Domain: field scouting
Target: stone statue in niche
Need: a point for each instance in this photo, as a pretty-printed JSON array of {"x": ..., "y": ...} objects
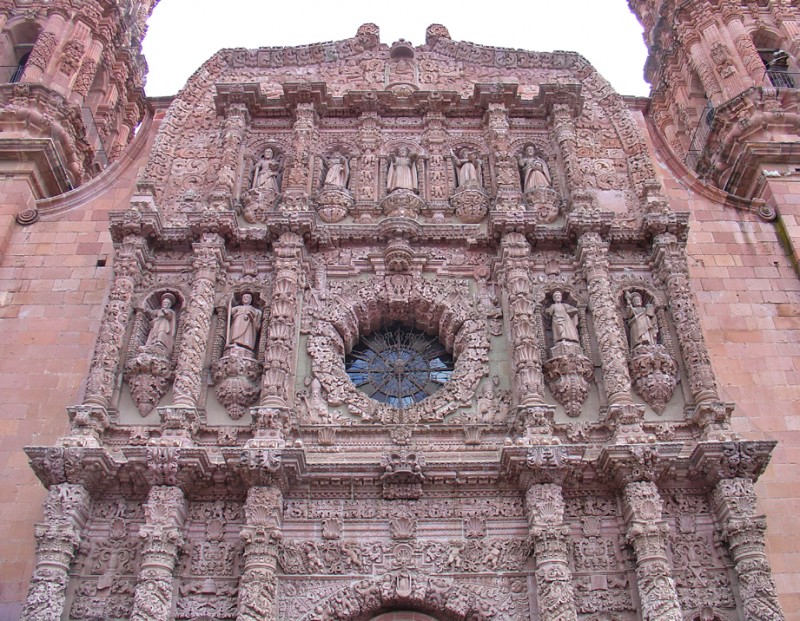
[
  {"x": 237, "y": 373},
  {"x": 244, "y": 321},
  {"x": 568, "y": 371},
  {"x": 150, "y": 372},
  {"x": 565, "y": 319},
  {"x": 641, "y": 321},
  {"x": 488, "y": 302},
  {"x": 468, "y": 166},
  {"x": 535, "y": 173},
  {"x": 654, "y": 371},
  {"x": 337, "y": 172},
  {"x": 334, "y": 199},
  {"x": 267, "y": 172},
  {"x": 163, "y": 326},
  {"x": 402, "y": 171}
]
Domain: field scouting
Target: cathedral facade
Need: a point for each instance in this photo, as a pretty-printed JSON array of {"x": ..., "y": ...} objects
[{"x": 441, "y": 332}]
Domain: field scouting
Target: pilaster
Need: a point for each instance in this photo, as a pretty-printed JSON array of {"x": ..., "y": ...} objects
[
  {"x": 743, "y": 533},
  {"x": 57, "y": 539},
  {"x": 208, "y": 257},
  {"x": 526, "y": 337},
  {"x": 258, "y": 584},
  {"x": 648, "y": 535},
  {"x": 162, "y": 536},
  {"x": 544, "y": 509}
]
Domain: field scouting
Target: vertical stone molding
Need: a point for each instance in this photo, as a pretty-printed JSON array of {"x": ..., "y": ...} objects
[
  {"x": 563, "y": 123},
  {"x": 296, "y": 182},
  {"x": 162, "y": 535},
  {"x": 526, "y": 337},
  {"x": 57, "y": 538},
  {"x": 102, "y": 374},
  {"x": 233, "y": 129},
  {"x": 670, "y": 262},
  {"x": 544, "y": 508},
  {"x": 648, "y": 534},
  {"x": 743, "y": 532},
  {"x": 208, "y": 256},
  {"x": 258, "y": 584},
  {"x": 610, "y": 334},
  {"x": 287, "y": 294}
]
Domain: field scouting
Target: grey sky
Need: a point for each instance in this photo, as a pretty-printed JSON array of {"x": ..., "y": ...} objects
[{"x": 184, "y": 33}]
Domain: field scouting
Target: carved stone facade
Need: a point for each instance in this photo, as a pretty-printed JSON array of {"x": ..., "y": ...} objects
[{"x": 538, "y": 433}]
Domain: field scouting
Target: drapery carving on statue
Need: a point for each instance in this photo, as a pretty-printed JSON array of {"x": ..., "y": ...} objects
[
  {"x": 237, "y": 372},
  {"x": 264, "y": 178},
  {"x": 654, "y": 370},
  {"x": 567, "y": 369},
  {"x": 151, "y": 355},
  {"x": 435, "y": 306},
  {"x": 440, "y": 597},
  {"x": 332, "y": 180}
]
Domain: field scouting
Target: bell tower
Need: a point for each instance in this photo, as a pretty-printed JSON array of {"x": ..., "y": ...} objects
[
  {"x": 725, "y": 78},
  {"x": 71, "y": 94}
]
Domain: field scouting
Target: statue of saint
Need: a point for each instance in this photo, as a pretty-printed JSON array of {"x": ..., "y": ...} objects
[
  {"x": 468, "y": 166},
  {"x": 338, "y": 171},
  {"x": 244, "y": 323},
  {"x": 641, "y": 321},
  {"x": 267, "y": 172},
  {"x": 402, "y": 171},
  {"x": 535, "y": 173},
  {"x": 565, "y": 319},
  {"x": 163, "y": 325}
]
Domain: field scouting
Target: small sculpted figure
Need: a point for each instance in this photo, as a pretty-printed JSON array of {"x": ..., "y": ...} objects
[
  {"x": 163, "y": 326},
  {"x": 338, "y": 170},
  {"x": 565, "y": 319},
  {"x": 267, "y": 171},
  {"x": 402, "y": 171},
  {"x": 641, "y": 321},
  {"x": 535, "y": 173},
  {"x": 468, "y": 166},
  {"x": 245, "y": 321}
]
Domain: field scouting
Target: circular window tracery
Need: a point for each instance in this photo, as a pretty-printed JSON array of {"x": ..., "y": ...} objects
[{"x": 399, "y": 366}]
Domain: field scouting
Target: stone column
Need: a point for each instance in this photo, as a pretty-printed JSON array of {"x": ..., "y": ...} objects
[
  {"x": 102, "y": 373},
  {"x": 648, "y": 534},
  {"x": 497, "y": 128},
  {"x": 732, "y": 17},
  {"x": 258, "y": 584},
  {"x": 86, "y": 72},
  {"x": 57, "y": 538},
  {"x": 610, "y": 333},
  {"x": 233, "y": 130},
  {"x": 196, "y": 320},
  {"x": 287, "y": 295},
  {"x": 544, "y": 508},
  {"x": 694, "y": 48},
  {"x": 743, "y": 531},
  {"x": 42, "y": 52},
  {"x": 162, "y": 533},
  {"x": 525, "y": 322},
  {"x": 669, "y": 256}
]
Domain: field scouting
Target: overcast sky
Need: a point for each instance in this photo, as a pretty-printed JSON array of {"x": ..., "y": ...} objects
[{"x": 185, "y": 33}]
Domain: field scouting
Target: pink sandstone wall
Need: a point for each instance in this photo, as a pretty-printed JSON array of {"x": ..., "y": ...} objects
[
  {"x": 52, "y": 295},
  {"x": 749, "y": 298}
]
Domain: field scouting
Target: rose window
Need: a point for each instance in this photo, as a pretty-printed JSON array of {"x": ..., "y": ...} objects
[{"x": 399, "y": 366}]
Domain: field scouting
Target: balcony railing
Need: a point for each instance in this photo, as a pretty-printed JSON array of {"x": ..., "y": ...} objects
[
  {"x": 700, "y": 137},
  {"x": 783, "y": 79}
]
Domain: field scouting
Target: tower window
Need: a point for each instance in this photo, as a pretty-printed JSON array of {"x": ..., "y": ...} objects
[
  {"x": 17, "y": 75},
  {"x": 777, "y": 66}
]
